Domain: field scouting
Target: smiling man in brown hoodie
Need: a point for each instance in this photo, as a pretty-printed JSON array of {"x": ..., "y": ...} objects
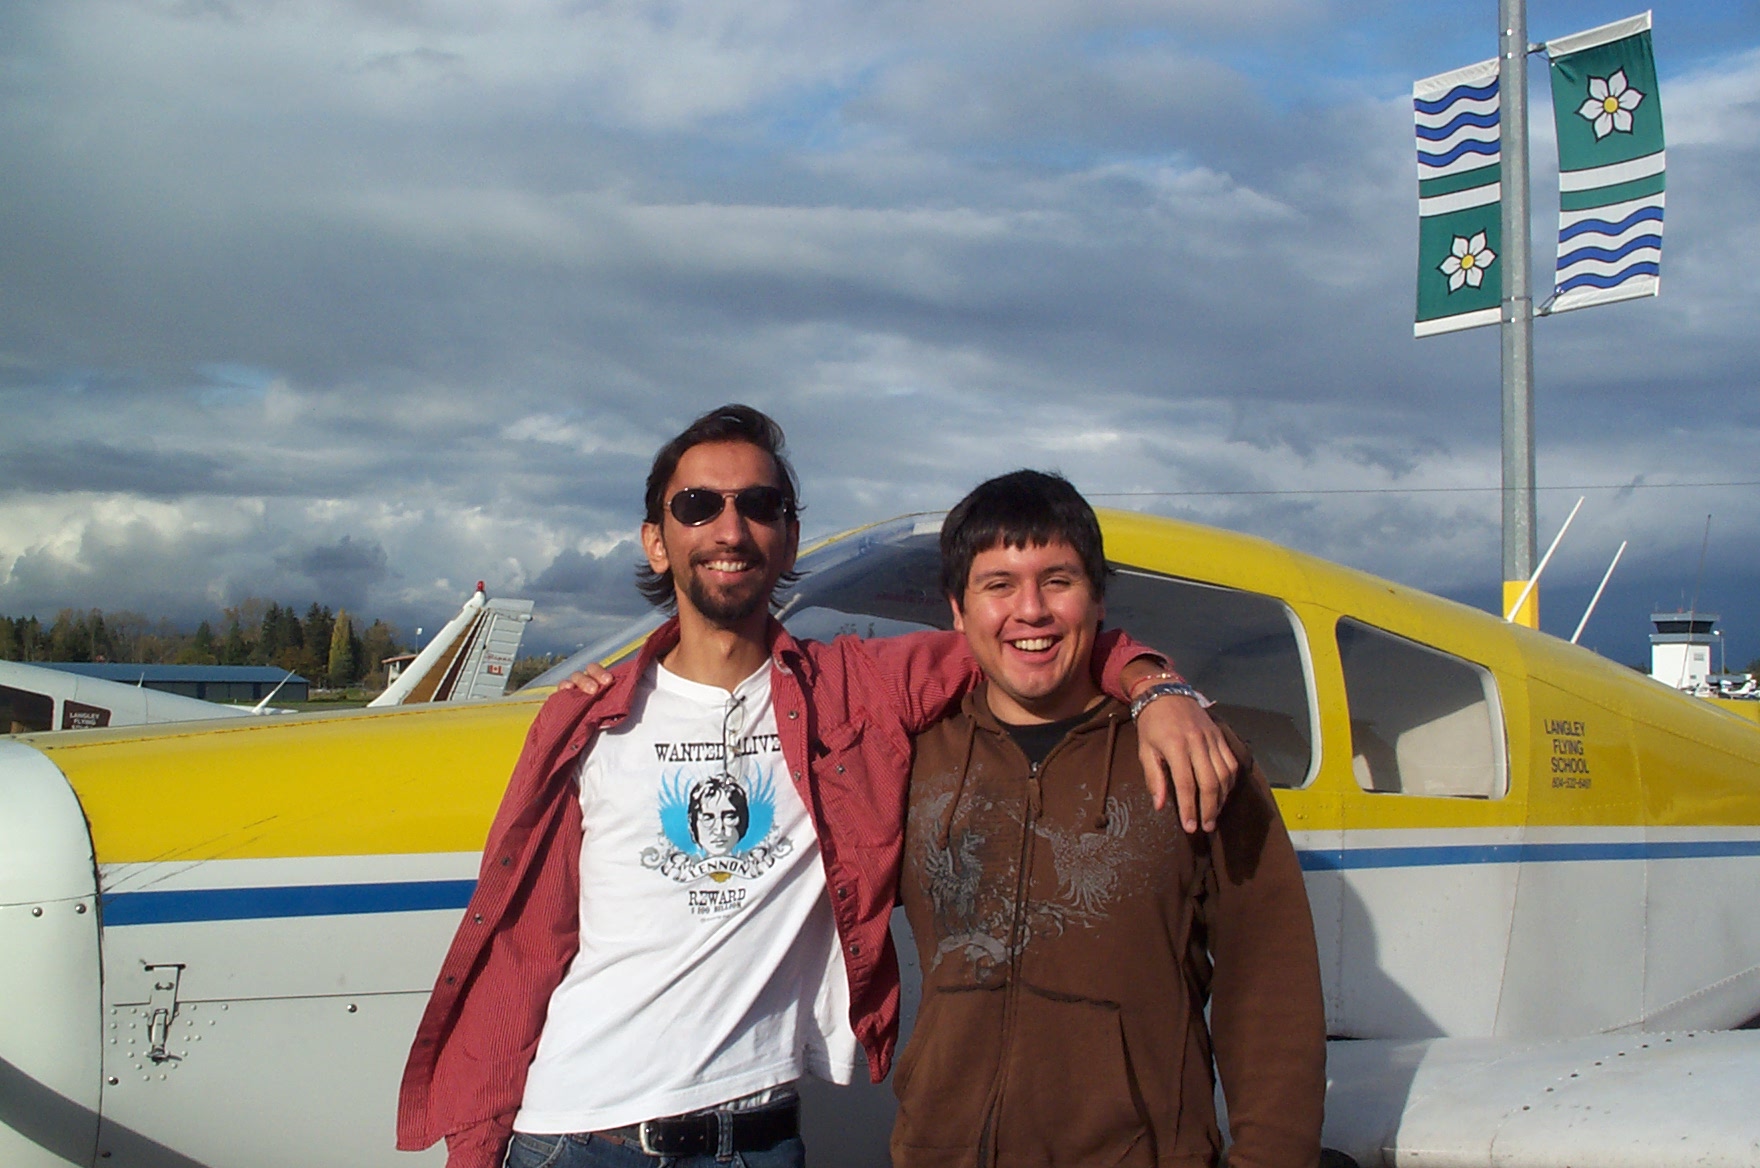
[{"x": 1070, "y": 934}]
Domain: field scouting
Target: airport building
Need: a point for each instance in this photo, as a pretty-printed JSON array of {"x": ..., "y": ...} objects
[
  {"x": 1680, "y": 648},
  {"x": 247, "y": 684}
]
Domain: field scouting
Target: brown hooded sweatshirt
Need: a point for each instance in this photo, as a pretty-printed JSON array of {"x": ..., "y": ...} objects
[{"x": 1070, "y": 938}]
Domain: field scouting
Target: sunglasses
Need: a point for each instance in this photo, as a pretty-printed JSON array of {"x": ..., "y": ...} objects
[{"x": 695, "y": 506}]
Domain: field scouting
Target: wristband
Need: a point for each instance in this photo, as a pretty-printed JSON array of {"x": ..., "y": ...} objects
[
  {"x": 1142, "y": 685},
  {"x": 1164, "y": 689}
]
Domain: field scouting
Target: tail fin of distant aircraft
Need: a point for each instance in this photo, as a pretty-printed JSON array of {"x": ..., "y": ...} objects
[{"x": 470, "y": 658}]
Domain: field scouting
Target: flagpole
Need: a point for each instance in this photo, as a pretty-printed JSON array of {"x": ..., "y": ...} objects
[{"x": 1517, "y": 315}]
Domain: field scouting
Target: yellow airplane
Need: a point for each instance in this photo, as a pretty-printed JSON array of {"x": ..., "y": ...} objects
[{"x": 1533, "y": 874}]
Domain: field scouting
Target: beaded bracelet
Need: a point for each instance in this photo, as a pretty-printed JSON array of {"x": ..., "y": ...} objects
[{"x": 1167, "y": 675}]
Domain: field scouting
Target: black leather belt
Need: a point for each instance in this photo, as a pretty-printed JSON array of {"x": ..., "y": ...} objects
[{"x": 700, "y": 1134}]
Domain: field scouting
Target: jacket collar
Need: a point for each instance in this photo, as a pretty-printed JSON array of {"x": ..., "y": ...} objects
[
  {"x": 976, "y": 706},
  {"x": 783, "y": 650},
  {"x": 787, "y": 653}
]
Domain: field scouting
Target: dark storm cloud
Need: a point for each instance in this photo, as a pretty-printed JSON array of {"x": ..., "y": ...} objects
[
  {"x": 589, "y": 583},
  {"x": 97, "y": 466},
  {"x": 344, "y": 570}
]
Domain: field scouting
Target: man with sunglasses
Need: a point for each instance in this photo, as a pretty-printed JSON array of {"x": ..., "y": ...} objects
[{"x": 621, "y": 995}]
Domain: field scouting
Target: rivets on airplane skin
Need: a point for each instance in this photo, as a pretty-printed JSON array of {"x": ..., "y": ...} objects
[
  {"x": 38, "y": 911},
  {"x": 352, "y": 1008},
  {"x": 80, "y": 909},
  {"x": 113, "y": 1081}
]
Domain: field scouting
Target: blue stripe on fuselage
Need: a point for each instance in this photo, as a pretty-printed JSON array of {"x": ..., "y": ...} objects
[
  {"x": 1448, "y": 855},
  {"x": 317, "y": 900},
  {"x": 310, "y": 900}
]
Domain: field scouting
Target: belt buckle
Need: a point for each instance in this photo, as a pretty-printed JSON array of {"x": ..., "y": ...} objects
[{"x": 669, "y": 1137}]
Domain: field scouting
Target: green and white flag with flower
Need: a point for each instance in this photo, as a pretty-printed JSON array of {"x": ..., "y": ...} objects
[
  {"x": 1460, "y": 191},
  {"x": 1610, "y": 165}
]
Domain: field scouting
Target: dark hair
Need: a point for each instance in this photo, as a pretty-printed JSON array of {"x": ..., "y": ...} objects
[
  {"x": 1021, "y": 509},
  {"x": 728, "y": 423},
  {"x": 720, "y": 785}
]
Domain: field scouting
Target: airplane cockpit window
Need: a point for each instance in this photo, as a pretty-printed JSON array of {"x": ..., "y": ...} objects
[
  {"x": 24, "y": 712},
  {"x": 875, "y": 583},
  {"x": 1423, "y": 722},
  {"x": 887, "y": 581},
  {"x": 1240, "y": 649}
]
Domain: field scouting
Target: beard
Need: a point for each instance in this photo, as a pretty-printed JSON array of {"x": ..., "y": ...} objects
[{"x": 732, "y": 606}]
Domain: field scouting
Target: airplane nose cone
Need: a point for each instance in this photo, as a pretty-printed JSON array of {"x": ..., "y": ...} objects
[{"x": 49, "y": 1006}]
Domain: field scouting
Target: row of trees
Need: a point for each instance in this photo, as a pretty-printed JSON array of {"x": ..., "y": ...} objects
[{"x": 326, "y": 648}]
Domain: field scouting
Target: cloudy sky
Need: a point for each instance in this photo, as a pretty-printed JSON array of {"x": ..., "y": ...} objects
[{"x": 361, "y": 302}]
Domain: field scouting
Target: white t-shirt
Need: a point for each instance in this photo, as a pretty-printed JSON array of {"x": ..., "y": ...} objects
[{"x": 709, "y": 965}]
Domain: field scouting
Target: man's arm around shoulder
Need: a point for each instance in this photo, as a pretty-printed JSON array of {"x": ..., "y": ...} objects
[{"x": 1267, "y": 1015}]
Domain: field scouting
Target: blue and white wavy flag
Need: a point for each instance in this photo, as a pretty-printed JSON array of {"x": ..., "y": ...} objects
[
  {"x": 1610, "y": 165},
  {"x": 1460, "y": 192}
]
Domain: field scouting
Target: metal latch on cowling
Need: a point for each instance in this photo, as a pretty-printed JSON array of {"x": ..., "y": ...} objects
[{"x": 161, "y": 1009}]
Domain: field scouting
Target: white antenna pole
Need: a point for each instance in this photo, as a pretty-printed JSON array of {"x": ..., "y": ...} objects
[
  {"x": 1544, "y": 560},
  {"x": 1596, "y": 599},
  {"x": 264, "y": 704}
]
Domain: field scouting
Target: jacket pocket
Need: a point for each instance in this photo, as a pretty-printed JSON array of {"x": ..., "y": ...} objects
[
  {"x": 943, "y": 1080},
  {"x": 1070, "y": 1094}
]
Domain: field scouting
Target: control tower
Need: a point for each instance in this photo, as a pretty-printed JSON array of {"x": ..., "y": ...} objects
[{"x": 1680, "y": 648}]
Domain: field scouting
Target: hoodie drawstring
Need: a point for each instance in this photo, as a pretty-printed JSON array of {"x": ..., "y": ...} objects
[
  {"x": 959, "y": 785},
  {"x": 1103, "y": 819}
]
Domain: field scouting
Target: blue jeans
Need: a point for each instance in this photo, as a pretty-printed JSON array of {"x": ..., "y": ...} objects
[{"x": 586, "y": 1151}]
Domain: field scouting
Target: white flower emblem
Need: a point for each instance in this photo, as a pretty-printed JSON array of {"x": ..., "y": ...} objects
[
  {"x": 1467, "y": 262},
  {"x": 1610, "y": 105}
]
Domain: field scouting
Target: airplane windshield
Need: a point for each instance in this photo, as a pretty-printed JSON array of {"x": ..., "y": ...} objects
[
  {"x": 876, "y": 583},
  {"x": 1241, "y": 649}
]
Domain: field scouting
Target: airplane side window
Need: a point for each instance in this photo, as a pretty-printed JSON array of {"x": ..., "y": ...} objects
[
  {"x": 1423, "y": 722},
  {"x": 1242, "y": 650},
  {"x": 24, "y": 712}
]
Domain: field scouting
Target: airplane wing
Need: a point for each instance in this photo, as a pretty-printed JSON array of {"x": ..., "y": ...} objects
[{"x": 1614, "y": 1101}]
